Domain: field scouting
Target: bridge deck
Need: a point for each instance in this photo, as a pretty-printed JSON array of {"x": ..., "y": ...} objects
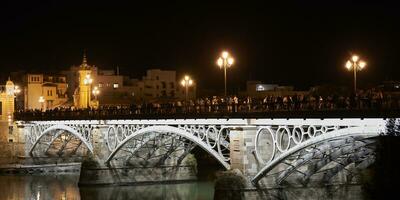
[{"x": 126, "y": 114}]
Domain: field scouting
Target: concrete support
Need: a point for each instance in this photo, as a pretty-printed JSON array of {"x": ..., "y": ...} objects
[{"x": 242, "y": 150}]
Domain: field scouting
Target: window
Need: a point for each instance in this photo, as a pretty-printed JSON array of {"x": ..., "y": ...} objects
[
  {"x": 157, "y": 87},
  {"x": 157, "y": 78},
  {"x": 115, "y": 85},
  {"x": 171, "y": 84},
  {"x": 164, "y": 85}
]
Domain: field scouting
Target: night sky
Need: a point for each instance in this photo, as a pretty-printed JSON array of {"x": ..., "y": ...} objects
[{"x": 300, "y": 44}]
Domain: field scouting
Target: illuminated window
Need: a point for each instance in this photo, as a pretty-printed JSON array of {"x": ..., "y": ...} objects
[{"x": 115, "y": 85}]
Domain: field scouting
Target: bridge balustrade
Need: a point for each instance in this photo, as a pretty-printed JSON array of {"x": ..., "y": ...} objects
[{"x": 256, "y": 108}]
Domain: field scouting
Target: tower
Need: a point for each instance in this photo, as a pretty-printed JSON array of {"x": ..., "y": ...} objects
[
  {"x": 85, "y": 82},
  {"x": 7, "y": 99}
]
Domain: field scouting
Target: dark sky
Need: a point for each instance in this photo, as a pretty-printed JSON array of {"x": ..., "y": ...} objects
[{"x": 301, "y": 44}]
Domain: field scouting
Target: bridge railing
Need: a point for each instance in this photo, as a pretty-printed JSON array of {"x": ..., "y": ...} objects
[{"x": 220, "y": 111}]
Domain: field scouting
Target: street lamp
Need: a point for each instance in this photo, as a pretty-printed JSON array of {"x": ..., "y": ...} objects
[
  {"x": 355, "y": 64},
  {"x": 88, "y": 81},
  {"x": 96, "y": 92},
  {"x": 17, "y": 90},
  {"x": 186, "y": 82},
  {"x": 41, "y": 101},
  {"x": 225, "y": 61}
]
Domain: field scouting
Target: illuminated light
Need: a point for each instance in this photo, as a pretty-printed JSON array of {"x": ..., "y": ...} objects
[
  {"x": 355, "y": 58},
  {"x": 349, "y": 64},
  {"x": 362, "y": 64},
  {"x": 190, "y": 82},
  {"x": 220, "y": 62},
  {"x": 96, "y": 91},
  {"x": 230, "y": 61},
  {"x": 225, "y": 55},
  {"x": 41, "y": 99},
  {"x": 17, "y": 90},
  {"x": 186, "y": 77},
  {"x": 183, "y": 83}
]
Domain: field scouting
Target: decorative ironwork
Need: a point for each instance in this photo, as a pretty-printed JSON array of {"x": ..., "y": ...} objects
[
  {"x": 295, "y": 144},
  {"x": 133, "y": 137},
  {"x": 48, "y": 133}
]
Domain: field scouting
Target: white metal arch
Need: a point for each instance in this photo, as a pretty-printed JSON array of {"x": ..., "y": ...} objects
[
  {"x": 65, "y": 128},
  {"x": 341, "y": 133},
  {"x": 170, "y": 129}
]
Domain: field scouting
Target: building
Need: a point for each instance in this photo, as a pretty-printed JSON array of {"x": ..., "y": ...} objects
[
  {"x": 159, "y": 84},
  {"x": 116, "y": 89},
  {"x": 7, "y": 95},
  {"x": 259, "y": 89},
  {"x": 45, "y": 91}
]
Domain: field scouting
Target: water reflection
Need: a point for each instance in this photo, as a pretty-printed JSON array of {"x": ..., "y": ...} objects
[
  {"x": 66, "y": 187},
  {"x": 39, "y": 187},
  {"x": 194, "y": 190},
  {"x": 341, "y": 192}
]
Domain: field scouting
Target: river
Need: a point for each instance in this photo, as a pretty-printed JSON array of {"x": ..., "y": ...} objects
[
  {"x": 33, "y": 187},
  {"x": 63, "y": 187}
]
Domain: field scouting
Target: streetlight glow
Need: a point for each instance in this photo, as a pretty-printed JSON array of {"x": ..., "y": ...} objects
[
  {"x": 225, "y": 61},
  {"x": 348, "y": 64},
  {"x": 96, "y": 92},
  {"x": 355, "y": 64},
  {"x": 186, "y": 82},
  {"x": 41, "y": 99},
  {"x": 230, "y": 61},
  {"x": 17, "y": 90},
  {"x": 225, "y": 55},
  {"x": 355, "y": 58},
  {"x": 220, "y": 62},
  {"x": 362, "y": 64}
]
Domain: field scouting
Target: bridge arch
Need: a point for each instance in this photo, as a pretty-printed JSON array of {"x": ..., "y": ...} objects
[
  {"x": 364, "y": 132},
  {"x": 64, "y": 128},
  {"x": 170, "y": 129}
]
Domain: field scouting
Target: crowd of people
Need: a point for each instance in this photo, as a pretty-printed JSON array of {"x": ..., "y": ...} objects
[{"x": 233, "y": 104}]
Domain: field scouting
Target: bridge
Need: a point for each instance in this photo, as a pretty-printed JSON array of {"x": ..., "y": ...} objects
[{"x": 268, "y": 151}]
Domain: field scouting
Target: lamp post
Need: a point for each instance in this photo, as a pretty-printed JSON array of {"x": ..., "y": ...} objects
[
  {"x": 88, "y": 81},
  {"x": 186, "y": 82},
  {"x": 355, "y": 64},
  {"x": 96, "y": 92},
  {"x": 17, "y": 90},
  {"x": 225, "y": 61},
  {"x": 41, "y": 101}
]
